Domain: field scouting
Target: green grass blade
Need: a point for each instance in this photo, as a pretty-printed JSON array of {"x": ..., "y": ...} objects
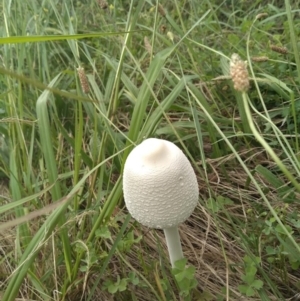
[
  {"x": 34, "y": 39},
  {"x": 144, "y": 94},
  {"x": 47, "y": 148}
]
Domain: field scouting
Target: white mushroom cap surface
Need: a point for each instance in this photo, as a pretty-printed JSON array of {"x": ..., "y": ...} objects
[{"x": 159, "y": 183}]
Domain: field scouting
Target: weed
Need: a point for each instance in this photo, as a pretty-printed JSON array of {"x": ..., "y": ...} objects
[
  {"x": 185, "y": 278},
  {"x": 251, "y": 284}
]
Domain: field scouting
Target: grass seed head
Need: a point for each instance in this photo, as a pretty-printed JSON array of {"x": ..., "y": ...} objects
[
  {"x": 83, "y": 80},
  {"x": 259, "y": 59},
  {"x": 170, "y": 36},
  {"x": 279, "y": 49},
  {"x": 103, "y": 4},
  {"x": 147, "y": 45},
  {"x": 261, "y": 15},
  {"x": 163, "y": 28},
  {"x": 239, "y": 73},
  {"x": 161, "y": 10}
]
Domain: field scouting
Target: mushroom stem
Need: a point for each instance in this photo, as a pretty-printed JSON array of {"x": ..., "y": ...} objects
[{"x": 173, "y": 244}]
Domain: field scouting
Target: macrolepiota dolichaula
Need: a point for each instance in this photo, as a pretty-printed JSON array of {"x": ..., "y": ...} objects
[{"x": 160, "y": 189}]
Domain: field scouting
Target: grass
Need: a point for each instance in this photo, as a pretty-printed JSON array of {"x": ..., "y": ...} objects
[{"x": 65, "y": 135}]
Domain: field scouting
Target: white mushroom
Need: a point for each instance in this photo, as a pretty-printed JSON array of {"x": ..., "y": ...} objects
[{"x": 160, "y": 189}]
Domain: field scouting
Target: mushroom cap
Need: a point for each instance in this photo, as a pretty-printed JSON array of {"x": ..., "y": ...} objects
[{"x": 160, "y": 186}]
